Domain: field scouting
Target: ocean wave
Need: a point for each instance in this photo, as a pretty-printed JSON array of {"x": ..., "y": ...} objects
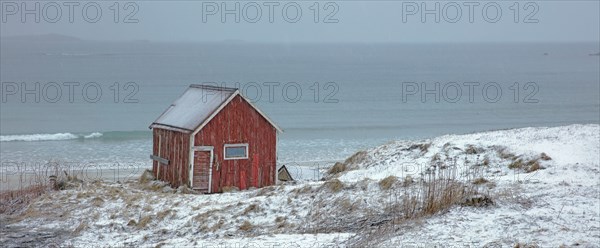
[
  {"x": 93, "y": 135},
  {"x": 47, "y": 137}
]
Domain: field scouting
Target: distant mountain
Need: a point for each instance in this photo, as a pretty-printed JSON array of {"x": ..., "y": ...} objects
[
  {"x": 233, "y": 41},
  {"x": 41, "y": 38}
]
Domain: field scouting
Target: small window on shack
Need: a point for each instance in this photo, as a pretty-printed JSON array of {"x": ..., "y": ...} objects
[{"x": 236, "y": 151}]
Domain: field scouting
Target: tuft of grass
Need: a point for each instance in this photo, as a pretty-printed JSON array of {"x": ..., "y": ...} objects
[
  {"x": 356, "y": 158},
  {"x": 162, "y": 214},
  {"x": 517, "y": 164},
  {"x": 504, "y": 154},
  {"x": 480, "y": 180},
  {"x": 251, "y": 208},
  {"x": 423, "y": 147},
  {"x": 265, "y": 191},
  {"x": 97, "y": 201},
  {"x": 279, "y": 219},
  {"x": 345, "y": 204},
  {"x": 337, "y": 168},
  {"x": 217, "y": 225},
  {"x": 246, "y": 226},
  {"x": 82, "y": 226},
  {"x": 147, "y": 208},
  {"x": 525, "y": 245},
  {"x": 387, "y": 182},
  {"x": 533, "y": 165},
  {"x": 408, "y": 180},
  {"x": 436, "y": 157},
  {"x": 146, "y": 176},
  {"x": 471, "y": 150},
  {"x": 334, "y": 185},
  {"x": 529, "y": 166},
  {"x": 545, "y": 157},
  {"x": 349, "y": 164},
  {"x": 230, "y": 189},
  {"x": 132, "y": 222},
  {"x": 305, "y": 189},
  {"x": 144, "y": 221},
  {"x": 486, "y": 161},
  {"x": 204, "y": 217}
]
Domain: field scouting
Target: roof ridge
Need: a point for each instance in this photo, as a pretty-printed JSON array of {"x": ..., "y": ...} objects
[{"x": 212, "y": 87}]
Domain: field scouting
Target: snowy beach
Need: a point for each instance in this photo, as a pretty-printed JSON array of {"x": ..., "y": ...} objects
[{"x": 537, "y": 186}]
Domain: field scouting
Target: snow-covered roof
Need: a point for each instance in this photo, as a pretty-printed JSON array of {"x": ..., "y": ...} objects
[{"x": 197, "y": 106}]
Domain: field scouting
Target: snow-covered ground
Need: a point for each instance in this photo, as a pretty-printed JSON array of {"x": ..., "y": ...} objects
[{"x": 544, "y": 184}]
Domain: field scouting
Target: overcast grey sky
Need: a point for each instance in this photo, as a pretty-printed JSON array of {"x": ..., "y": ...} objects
[{"x": 351, "y": 21}]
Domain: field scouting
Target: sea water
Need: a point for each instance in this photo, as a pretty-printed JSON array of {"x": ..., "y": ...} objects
[{"x": 85, "y": 102}]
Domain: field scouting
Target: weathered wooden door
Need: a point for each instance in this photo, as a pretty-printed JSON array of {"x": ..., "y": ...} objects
[{"x": 200, "y": 180}]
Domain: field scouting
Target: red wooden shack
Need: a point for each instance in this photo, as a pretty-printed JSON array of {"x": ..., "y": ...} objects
[{"x": 213, "y": 137}]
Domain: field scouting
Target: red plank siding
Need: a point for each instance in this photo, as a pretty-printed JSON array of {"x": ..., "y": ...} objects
[
  {"x": 174, "y": 146},
  {"x": 239, "y": 122}
]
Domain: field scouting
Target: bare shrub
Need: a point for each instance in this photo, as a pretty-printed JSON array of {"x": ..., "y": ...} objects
[
  {"x": 387, "y": 182},
  {"x": 437, "y": 192}
]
